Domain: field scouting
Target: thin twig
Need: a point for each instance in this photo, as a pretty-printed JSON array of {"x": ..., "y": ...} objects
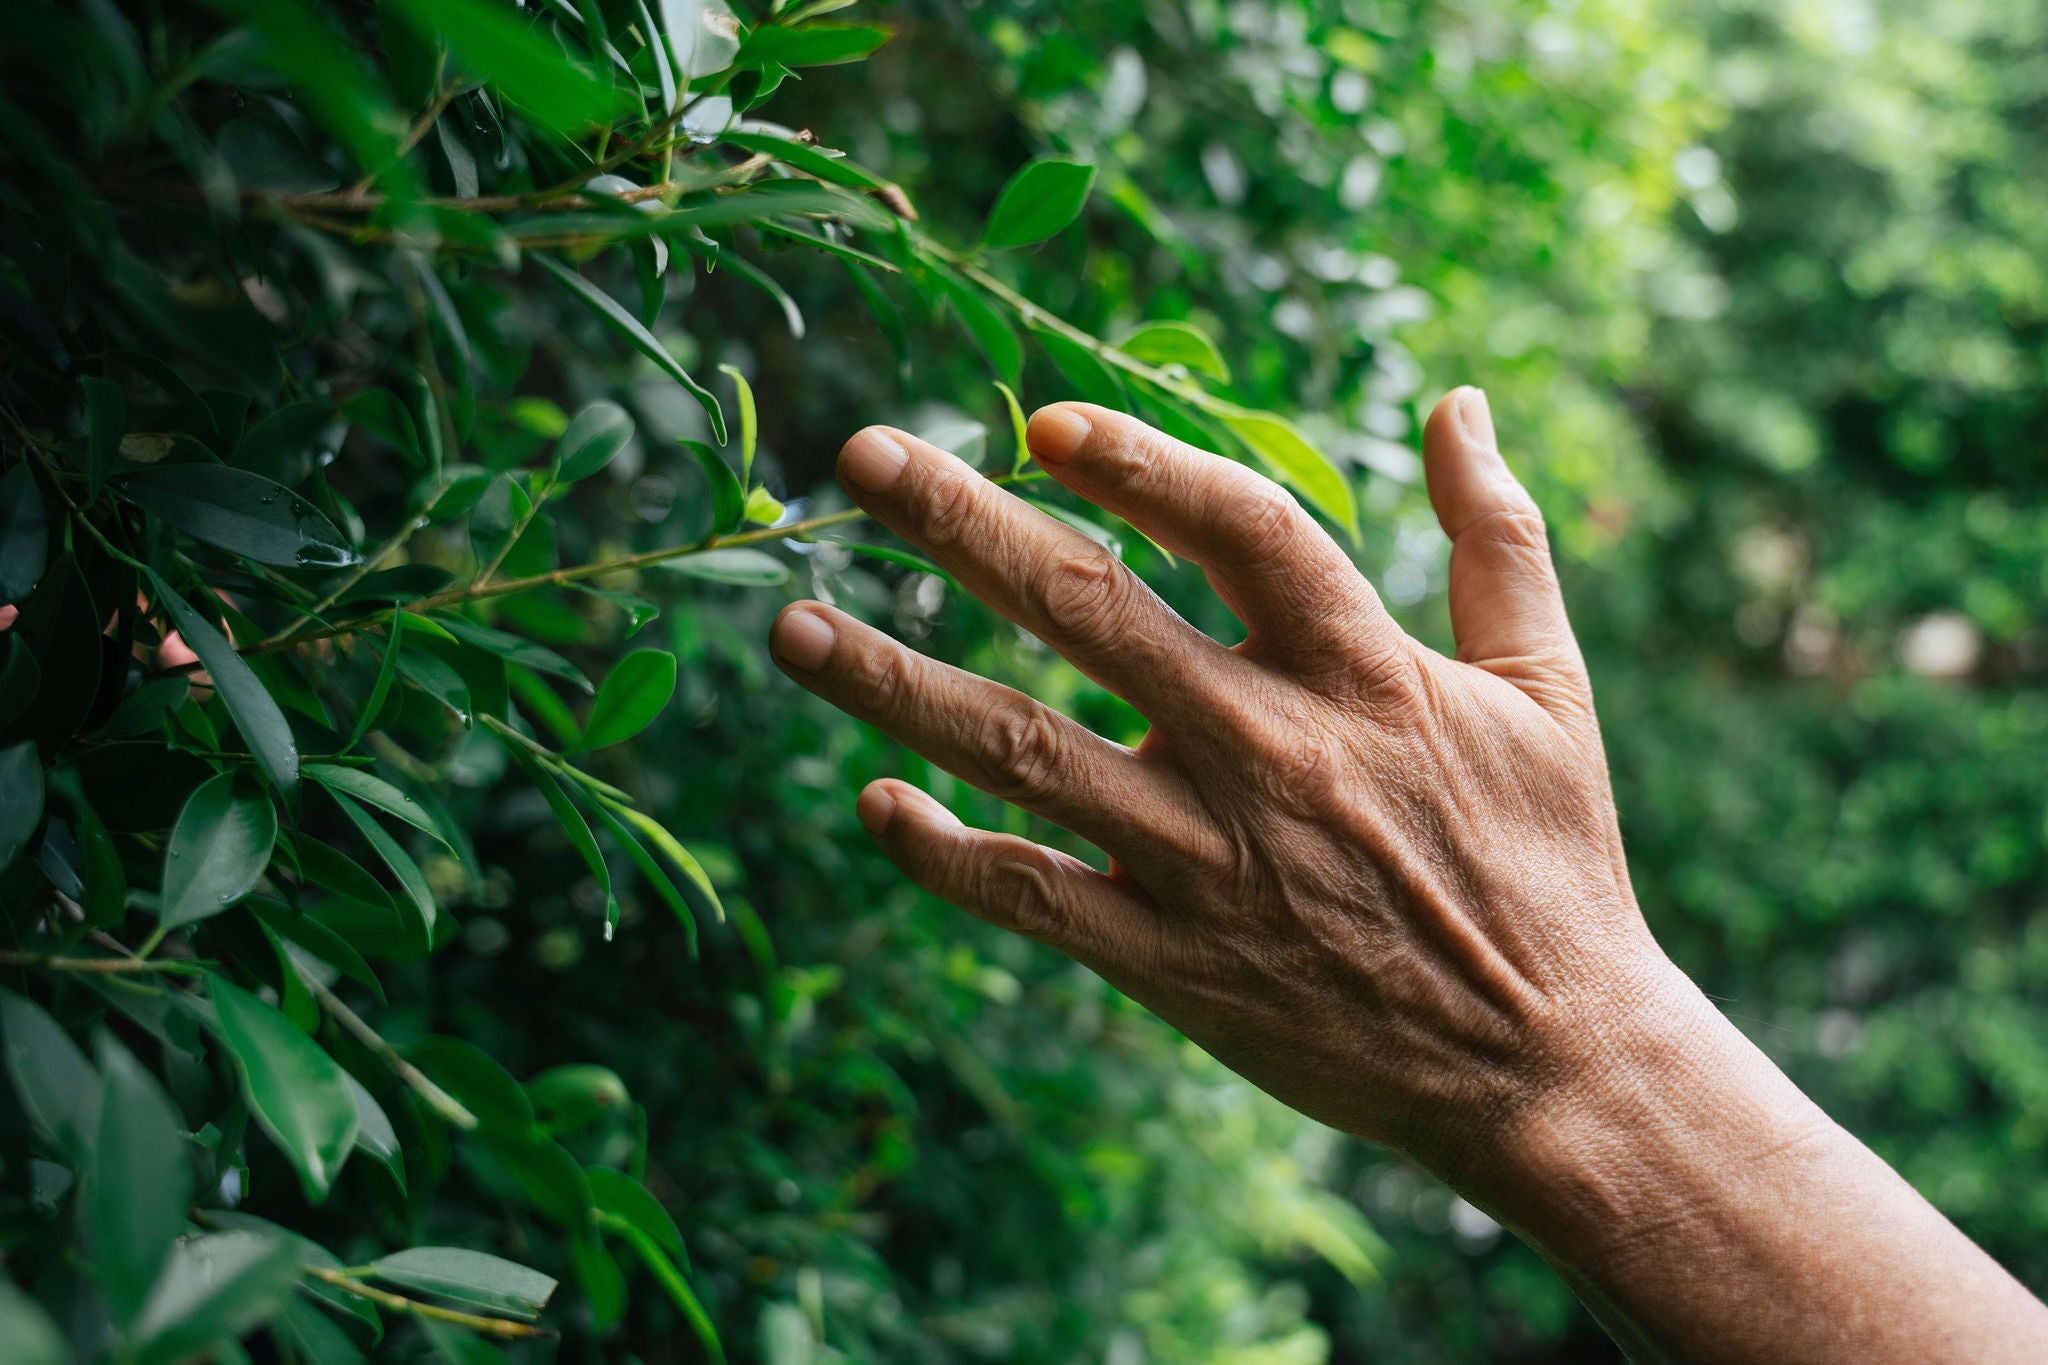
[
  {"x": 104, "y": 966},
  {"x": 439, "y": 1100},
  {"x": 398, "y": 1303}
]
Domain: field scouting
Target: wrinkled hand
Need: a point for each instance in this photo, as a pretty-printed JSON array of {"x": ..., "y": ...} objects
[{"x": 1384, "y": 885}]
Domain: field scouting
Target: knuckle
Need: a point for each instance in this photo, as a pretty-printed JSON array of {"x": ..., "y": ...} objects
[
  {"x": 1514, "y": 526},
  {"x": 1263, "y": 514},
  {"x": 951, "y": 510},
  {"x": 1085, "y": 593},
  {"x": 1017, "y": 891},
  {"x": 883, "y": 678},
  {"x": 1021, "y": 750}
]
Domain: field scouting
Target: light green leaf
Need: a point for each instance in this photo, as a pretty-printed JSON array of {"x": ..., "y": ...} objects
[
  {"x": 249, "y": 703},
  {"x": 530, "y": 71},
  {"x": 656, "y": 877},
  {"x": 763, "y": 508},
  {"x": 1017, "y": 425},
  {"x": 740, "y": 566},
  {"x": 1284, "y": 451},
  {"x": 141, "y": 1180},
  {"x": 750, "y": 425},
  {"x": 633, "y": 694},
  {"x": 375, "y": 1137},
  {"x": 824, "y": 44},
  {"x": 615, "y": 316},
  {"x": 685, "y": 861},
  {"x": 212, "y": 1290},
  {"x": 294, "y": 1088},
  {"x": 595, "y": 436},
  {"x": 497, "y": 516},
  {"x": 835, "y": 169},
  {"x": 1176, "y": 343},
  {"x": 474, "y": 1279},
  {"x": 218, "y": 849},
  {"x": 1040, "y": 200},
  {"x": 27, "y": 1336}
]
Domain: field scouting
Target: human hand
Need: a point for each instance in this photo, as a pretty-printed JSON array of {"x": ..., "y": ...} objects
[{"x": 1384, "y": 885}]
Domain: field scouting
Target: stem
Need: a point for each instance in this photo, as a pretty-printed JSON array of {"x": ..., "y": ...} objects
[
  {"x": 398, "y": 1303},
  {"x": 104, "y": 966},
  {"x": 439, "y": 1100}
]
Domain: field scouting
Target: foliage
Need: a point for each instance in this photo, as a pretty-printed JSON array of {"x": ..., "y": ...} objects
[{"x": 429, "y": 924}]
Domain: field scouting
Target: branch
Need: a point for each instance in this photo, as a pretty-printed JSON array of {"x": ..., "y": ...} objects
[
  {"x": 398, "y": 1303},
  {"x": 99, "y": 965},
  {"x": 439, "y": 1100}
]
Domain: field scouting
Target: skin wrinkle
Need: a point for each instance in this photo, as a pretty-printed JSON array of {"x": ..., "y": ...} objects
[{"x": 1389, "y": 888}]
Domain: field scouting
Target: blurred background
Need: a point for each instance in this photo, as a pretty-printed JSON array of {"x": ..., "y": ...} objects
[{"x": 1759, "y": 292}]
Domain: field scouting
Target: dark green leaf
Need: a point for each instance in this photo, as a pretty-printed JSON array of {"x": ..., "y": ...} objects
[
  {"x": 473, "y": 1077},
  {"x": 375, "y": 1137},
  {"x": 213, "y": 1289},
  {"x": 656, "y": 877},
  {"x": 836, "y": 169},
  {"x": 58, "y": 1088},
  {"x": 624, "y": 1197},
  {"x": 496, "y": 517},
  {"x": 239, "y": 511},
  {"x": 335, "y": 870},
  {"x": 218, "y": 849},
  {"x": 106, "y": 881},
  {"x": 27, "y": 1336},
  {"x": 20, "y": 677},
  {"x": 24, "y": 534},
  {"x": 387, "y": 673},
  {"x": 1042, "y": 198},
  {"x": 594, "y": 437},
  {"x": 633, "y": 694},
  {"x": 472, "y": 1278},
  {"x": 531, "y": 72},
  {"x": 21, "y": 798},
  {"x": 615, "y": 316},
  {"x": 514, "y": 649},
  {"x": 417, "y": 893},
  {"x": 298, "y": 1094},
  {"x": 262, "y": 724},
  {"x": 144, "y": 709},
  {"x": 372, "y": 790},
  {"x": 575, "y": 827},
  {"x": 141, "y": 1180},
  {"x": 106, "y": 422},
  {"x": 991, "y": 332},
  {"x": 1092, "y": 380}
]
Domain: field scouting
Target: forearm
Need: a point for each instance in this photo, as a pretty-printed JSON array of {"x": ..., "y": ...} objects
[{"x": 1706, "y": 1210}]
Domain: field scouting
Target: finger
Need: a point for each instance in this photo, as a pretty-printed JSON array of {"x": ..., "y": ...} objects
[
  {"x": 1024, "y": 887},
  {"x": 1507, "y": 612},
  {"x": 990, "y": 735},
  {"x": 1047, "y": 577},
  {"x": 1297, "y": 592}
]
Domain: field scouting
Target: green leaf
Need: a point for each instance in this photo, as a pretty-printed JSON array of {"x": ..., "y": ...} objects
[
  {"x": 576, "y": 1096},
  {"x": 685, "y": 861},
  {"x": 249, "y": 704},
  {"x": 375, "y": 1137},
  {"x": 750, "y": 425},
  {"x": 1092, "y": 380},
  {"x": 575, "y": 827},
  {"x": 144, "y": 709},
  {"x": 438, "y": 679},
  {"x": 812, "y": 160},
  {"x": 58, "y": 1088},
  {"x": 614, "y": 315},
  {"x": 106, "y": 881},
  {"x": 623, "y": 1197},
  {"x": 218, "y": 849},
  {"x": 1040, "y": 200},
  {"x": 634, "y": 693},
  {"x": 240, "y": 512},
  {"x": 330, "y": 867},
  {"x": 213, "y": 1289},
  {"x": 1282, "y": 448},
  {"x": 394, "y": 856},
  {"x": 458, "y": 1347},
  {"x": 763, "y": 508},
  {"x": 1176, "y": 343},
  {"x": 532, "y": 73},
  {"x": 514, "y": 649},
  {"x": 27, "y": 1336},
  {"x": 24, "y": 534},
  {"x": 312, "y": 1335},
  {"x": 387, "y": 672},
  {"x": 594, "y": 437},
  {"x": 656, "y": 877},
  {"x": 21, "y": 677},
  {"x": 901, "y": 558},
  {"x": 824, "y": 44},
  {"x": 497, "y": 516},
  {"x": 992, "y": 333},
  {"x": 474, "y": 1279},
  {"x": 703, "y": 36},
  {"x": 21, "y": 798},
  {"x": 1017, "y": 425},
  {"x": 598, "y": 1274},
  {"x": 141, "y": 1181},
  {"x": 106, "y": 422},
  {"x": 296, "y": 1091},
  {"x": 728, "y": 501},
  {"x": 475, "y": 1079},
  {"x": 740, "y": 566},
  {"x": 372, "y": 790}
]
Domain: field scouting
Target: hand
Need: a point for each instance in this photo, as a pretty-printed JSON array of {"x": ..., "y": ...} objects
[{"x": 1384, "y": 885}]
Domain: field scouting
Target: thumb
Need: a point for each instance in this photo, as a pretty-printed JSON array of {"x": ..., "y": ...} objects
[{"x": 1507, "y": 613}]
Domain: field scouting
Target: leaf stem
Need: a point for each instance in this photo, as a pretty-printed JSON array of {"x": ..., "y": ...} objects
[
  {"x": 103, "y": 966},
  {"x": 398, "y": 1303},
  {"x": 439, "y": 1100}
]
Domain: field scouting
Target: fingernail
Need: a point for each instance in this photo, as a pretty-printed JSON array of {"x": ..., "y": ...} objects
[
  {"x": 873, "y": 459},
  {"x": 1056, "y": 434},
  {"x": 805, "y": 639},
  {"x": 874, "y": 808},
  {"x": 1475, "y": 419}
]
